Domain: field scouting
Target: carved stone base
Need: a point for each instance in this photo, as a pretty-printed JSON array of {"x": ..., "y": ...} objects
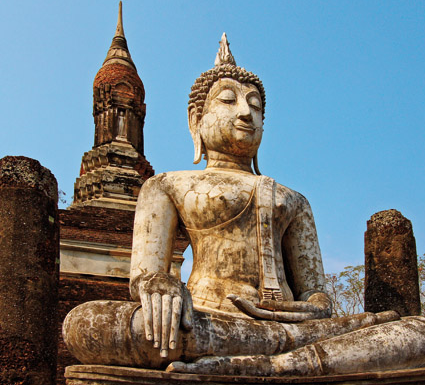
[{"x": 116, "y": 375}]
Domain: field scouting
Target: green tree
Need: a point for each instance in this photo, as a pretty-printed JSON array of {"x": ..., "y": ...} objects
[{"x": 346, "y": 289}]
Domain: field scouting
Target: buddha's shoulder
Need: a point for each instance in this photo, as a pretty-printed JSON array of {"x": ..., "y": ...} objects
[
  {"x": 188, "y": 179},
  {"x": 176, "y": 183},
  {"x": 282, "y": 189},
  {"x": 176, "y": 178},
  {"x": 179, "y": 185},
  {"x": 290, "y": 196}
]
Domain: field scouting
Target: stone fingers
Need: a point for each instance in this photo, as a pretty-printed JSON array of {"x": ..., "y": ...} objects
[
  {"x": 167, "y": 311},
  {"x": 187, "y": 310},
  {"x": 157, "y": 316},
  {"x": 162, "y": 315},
  {"x": 249, "y": 308},
  {"x": 175, "y": 321},
  {"x": 162, "y": 297},
  {"x": 147, "y": 315}
]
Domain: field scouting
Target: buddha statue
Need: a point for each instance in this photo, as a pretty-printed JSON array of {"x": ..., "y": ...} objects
[{"x": 255, "y": 302}]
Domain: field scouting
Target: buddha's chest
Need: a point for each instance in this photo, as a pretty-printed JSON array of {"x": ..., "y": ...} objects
[{"x": 214, "y": 200}]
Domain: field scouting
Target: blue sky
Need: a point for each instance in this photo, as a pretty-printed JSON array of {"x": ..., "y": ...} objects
[{"x": 344, "y": 81}]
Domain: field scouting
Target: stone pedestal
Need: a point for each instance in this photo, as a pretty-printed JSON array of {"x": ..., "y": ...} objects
[
  {"x": 115, "y": 375},
  {"x": 391, "y": 267},
  {"x": 29, "y": 267}
]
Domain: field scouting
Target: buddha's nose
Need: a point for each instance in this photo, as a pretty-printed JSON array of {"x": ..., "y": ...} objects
[{"x": 244, "y": 112}]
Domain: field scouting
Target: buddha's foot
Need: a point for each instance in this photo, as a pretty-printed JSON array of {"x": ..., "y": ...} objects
[
  {"x": 238, "y": 365},
  {"x": 388, "y": 346}
]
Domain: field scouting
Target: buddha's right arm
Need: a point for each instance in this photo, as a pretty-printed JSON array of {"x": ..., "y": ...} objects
[
  {"x": 155, "y": 226},
  {"x": 162, "y": 296}
]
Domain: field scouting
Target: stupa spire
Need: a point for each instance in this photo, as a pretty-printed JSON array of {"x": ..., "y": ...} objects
[
  {"x": 224, "y": 55},
  {"x": 120, "y": 29},
  {"x": 118, "y": 51}
]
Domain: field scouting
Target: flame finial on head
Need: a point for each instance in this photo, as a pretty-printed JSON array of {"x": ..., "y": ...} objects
[{"x": 224, "y": 56}]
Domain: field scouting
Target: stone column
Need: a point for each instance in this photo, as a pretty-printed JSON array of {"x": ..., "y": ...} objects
[
  {"x": 391, "y": 267},
  {"x": 29, "y": 269}
]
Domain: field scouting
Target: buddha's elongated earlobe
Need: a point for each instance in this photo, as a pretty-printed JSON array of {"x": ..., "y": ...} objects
[
  {"x": 197, "y": 142},
  {"x": 255, "y": 161},
  {"x": 196, "y": 136}
]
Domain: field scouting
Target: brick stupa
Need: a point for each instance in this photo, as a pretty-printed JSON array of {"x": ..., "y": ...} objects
[
  {"x": 96, "y": 230},
  {"x": 113, "y": 172}
]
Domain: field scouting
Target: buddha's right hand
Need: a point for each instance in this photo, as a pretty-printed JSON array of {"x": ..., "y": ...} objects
[{"x": 166, "y": 303}]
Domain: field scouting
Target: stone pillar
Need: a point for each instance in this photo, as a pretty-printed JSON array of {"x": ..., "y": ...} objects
[
  {"x": 391, "y": 267},
  {"x": 29, "y": 269}
]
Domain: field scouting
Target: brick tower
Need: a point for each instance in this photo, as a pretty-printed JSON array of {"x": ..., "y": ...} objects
[{"x": 113, "y": 172}]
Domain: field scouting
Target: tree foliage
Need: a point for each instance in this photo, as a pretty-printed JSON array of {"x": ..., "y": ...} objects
[
  {"x": 346, "y": 289},
  {"x": 421, "y": 271},
  {"x": 61, "y": 195}
]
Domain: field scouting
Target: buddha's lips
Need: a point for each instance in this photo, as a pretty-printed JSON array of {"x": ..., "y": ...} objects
[{"x": 244, "y": 127}]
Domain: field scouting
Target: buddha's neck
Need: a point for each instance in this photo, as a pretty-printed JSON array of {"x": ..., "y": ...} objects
[{"x": 219, "y": 160}]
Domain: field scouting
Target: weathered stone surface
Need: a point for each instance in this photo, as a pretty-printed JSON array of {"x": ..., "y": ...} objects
[
  {"x": 256, "y": 303},
  {"x": 29, "y": 262},
  {"x": 391, "y": 345},
  {"x": 215, "y": 335},
  {"x": 109, "y": 375},
  {"x": 75, "y": 290},
  {"x": 253, "y": 240},
  {"x": 391, "y": 268}
]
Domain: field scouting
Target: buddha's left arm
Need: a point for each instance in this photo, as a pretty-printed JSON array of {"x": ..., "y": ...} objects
[{"x": 303, "y": 261}]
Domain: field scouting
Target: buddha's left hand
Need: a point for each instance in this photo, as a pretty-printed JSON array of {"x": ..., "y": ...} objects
[{"x": 317, "y": 306}]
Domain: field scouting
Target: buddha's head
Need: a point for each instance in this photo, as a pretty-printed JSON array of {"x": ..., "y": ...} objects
[{"x": 226, "y": 110}]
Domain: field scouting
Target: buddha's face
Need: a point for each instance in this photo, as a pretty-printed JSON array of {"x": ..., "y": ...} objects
[{"x": 232, "y": 120}]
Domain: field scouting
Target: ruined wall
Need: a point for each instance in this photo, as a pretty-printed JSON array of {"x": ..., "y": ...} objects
[
  {"x": 97, "y": 224},
  {"x": 29, "y": 256},
  {"x": 391, "y": 266}
]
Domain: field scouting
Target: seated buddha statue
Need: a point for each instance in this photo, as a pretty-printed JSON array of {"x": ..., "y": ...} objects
[{"x": 255, "y": 302}]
